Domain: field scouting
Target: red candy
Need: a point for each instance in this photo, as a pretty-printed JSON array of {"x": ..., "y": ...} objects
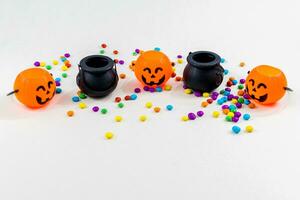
[
  {"x": 127, "y": 97},
  {"x": 115, "y": 52},
  {"x": 117, "y": 99},
  {"x": 103, "y": 45}
]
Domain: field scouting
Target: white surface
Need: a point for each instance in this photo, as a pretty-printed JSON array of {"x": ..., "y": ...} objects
[{"x": 46, "y": 155}]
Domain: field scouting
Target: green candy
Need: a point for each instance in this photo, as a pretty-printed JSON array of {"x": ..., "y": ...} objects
[
  {"x": 228, "y": 118},
  {"x": 48, "y": 67},
  {"x": 82, "y": 96},
  {"x": 104, "y": 111},
  {"x": 102, "y": 51},
  {"x": 64, "y": 75},
  {"x": 240, "y": 87},
  {"x": 120, "y": 105}
]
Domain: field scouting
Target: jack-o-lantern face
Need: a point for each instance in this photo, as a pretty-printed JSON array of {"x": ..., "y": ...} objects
[
  {"x": 153, "y": 68},
  {"x": 34, "y": 87},
  {"x": 266, "y": 84}
]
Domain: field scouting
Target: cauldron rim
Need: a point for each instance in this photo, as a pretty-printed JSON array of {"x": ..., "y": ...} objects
[
  {"x": 203, "y": 65},
  {"x": 109, "y": 66}
]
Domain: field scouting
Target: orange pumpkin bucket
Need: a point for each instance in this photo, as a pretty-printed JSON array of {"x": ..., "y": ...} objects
[
  {"x": 153, "y": 68},
  {"x": 266, "y": 84},
  {"x": 34, "y": 87}
]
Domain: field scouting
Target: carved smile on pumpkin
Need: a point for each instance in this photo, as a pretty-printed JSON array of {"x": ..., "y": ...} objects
[
  {"x": 152, "y": 82},
  {"x": 261, "y": 98},
  {"x": 41, "y": 87}
]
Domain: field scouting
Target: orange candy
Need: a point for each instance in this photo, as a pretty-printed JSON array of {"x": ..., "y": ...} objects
[
  {"x": 204, "y": 104},
  {"x": 156, "y": 109},
  {"x": 266, "y": 84},
  {"x": 34, "y": 87},
  {"x": 153, "y": 68}
]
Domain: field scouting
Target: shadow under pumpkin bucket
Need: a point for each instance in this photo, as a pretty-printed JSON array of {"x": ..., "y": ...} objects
[
  {"x": 203, "y": 72},
  {"x": 97, "y": 76}
]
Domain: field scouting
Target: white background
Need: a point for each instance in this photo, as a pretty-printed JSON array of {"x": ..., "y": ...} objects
[{"x": 46, "y": 155}]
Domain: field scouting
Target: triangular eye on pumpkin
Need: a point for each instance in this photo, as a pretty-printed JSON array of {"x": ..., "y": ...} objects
[
  {"x": 153, "y": 68},
  {"x": 266, "y": 84},
  {"x": 34, "y": 87}
]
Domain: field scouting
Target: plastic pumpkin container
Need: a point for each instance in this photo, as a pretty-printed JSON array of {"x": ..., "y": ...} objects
[
  {"x": 203, "y": 72},
  {"x": 153, "y": 68},
  {"x": 266, "y": 84},
  {"x": 97, "y": 76},
  {"x": 34, "y": 87}
]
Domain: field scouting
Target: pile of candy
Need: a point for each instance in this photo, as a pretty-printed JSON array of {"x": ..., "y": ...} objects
[{"x": 230, "y": 103}]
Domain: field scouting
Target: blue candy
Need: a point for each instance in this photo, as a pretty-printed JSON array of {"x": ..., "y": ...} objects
[
  {"x": 169, "y": 107},
  {"x": 222, "y": 60},
  {"x": 226, "y": 71},
  {"x": 58, "y": 90},
  {"x": 75, "y": 99},
  {"x": 236, "y": 129},
  {"x": 156, "y": 49},
  {"x": 158, "y": 89},
  {"x": 234, "y": 82},
  {"x": 246, "y": 116},
  {"x": 133, "y": 97},
  {"x": 57, "y": 79}
]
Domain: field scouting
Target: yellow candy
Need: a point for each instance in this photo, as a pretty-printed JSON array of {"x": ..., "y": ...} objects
[
  {"x": 185, "y": 118},
  {"x": 234, "y": 101},
  {"x": 174, "y": 69},
  {"x": 230, "y": 114},
  {"x": 188, "y": 91},
  {"x": 42, "y": 64},
  {"x": 148, "y": 105},
  {"x": 109, "y": 135},
  {"x": 55, "y": 62},
  {"x": 64, "y": 68},
  {"x": 242, "y": 64},
  {"x": 205, "y": 94},
  {"x": 82, "y": 105},
  {"x": 143, "y": 118},
  {"x": 249, "y": 129},
  {"x": 118, "y": 118},
  {"x": 216, "y": 114},
  {"x": 180, "y": 61},
  {"x": 168, "y": 87}
]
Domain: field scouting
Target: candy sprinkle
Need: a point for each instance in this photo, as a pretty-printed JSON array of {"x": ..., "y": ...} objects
[
  {"x": 104, "y": 110},
  {"x": 82, "y": 105},
  {"x": 236, "y": 129},
  {"x": 118, "y": 118},
  {"x": 216, "y": 114},
  {"x": 143, "y": 118},
  {"x": 185, "y": 118},
  {"x": 249, "y": 129},
  {"x": 148, "y": 105},
  {"x": 156, "y": 109},
  {"x": 169, "y": 107},
  {"x": 70, "y": 113},
  {"x": 109, "y": 135}
]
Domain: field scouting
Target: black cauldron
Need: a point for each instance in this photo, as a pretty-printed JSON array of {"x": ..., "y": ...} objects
[
  {"x": 97, "y": 76},
  {"x": 203, "y": 72}
]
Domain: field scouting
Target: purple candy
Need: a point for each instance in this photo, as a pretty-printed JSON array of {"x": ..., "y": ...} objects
[
  {"x": 67, "y": 55},
  {"x": 37, "y": 63},
  {"x": 121, "y": 62},
  {"x": 197, "y": 93},
  {"x": 242, "y": 81},
  {"x": 214, "y": 94},
  {"x": 228, "y": 89},
  {"x": 137, "y": 90},
  {"x": 152, "y": 89},
  {"x": 95, "y": 108},
  {"x": 184, "y": 87},
  {"x": 57, "y": 83},
  {"x": 230, "y": 97},
  {"x": 238, "y": 105},
  {"x": 146, "y": 88},
  {"x": 137, "y": 51},
  {"x": 179, "y": 56},
  {"x": 200, "y": 113},
  {"x": 214, "y": 97},
  {"x": 192, "y": 116},
  {"x": 236, "y": 97},
  {"x": 235, "y": 119},
  {"x": 225, "y": 107},
  {"x": 237, "y": 114},
  {"x": 246, "y": 96}
]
